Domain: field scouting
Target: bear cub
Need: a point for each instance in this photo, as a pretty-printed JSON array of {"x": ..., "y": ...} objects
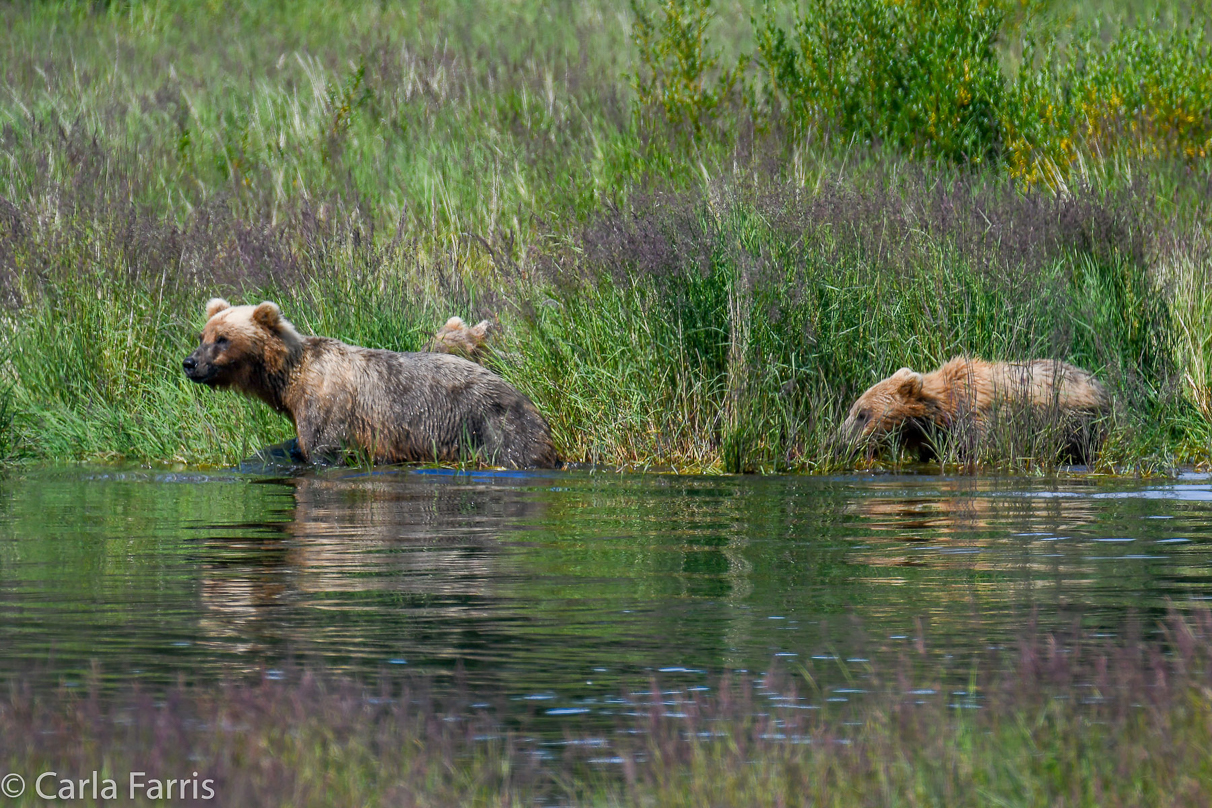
[
  {"x": 964, "y": 397},
  {"x": 396, "y": 407},
  {"x": 458, "y": 338}
]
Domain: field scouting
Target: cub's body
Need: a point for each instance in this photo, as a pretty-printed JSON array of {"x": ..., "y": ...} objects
[{"x": 965, "y": 395}]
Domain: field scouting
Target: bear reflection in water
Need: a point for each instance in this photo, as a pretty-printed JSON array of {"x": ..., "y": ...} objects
[
  {"x": 972, "y": 515},
  {"x": 978, "y": 527},
  {"x": 391, "y": 541}
]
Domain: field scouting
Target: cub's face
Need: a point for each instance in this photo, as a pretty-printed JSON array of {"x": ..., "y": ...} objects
[
  {"x": 235, "y": 340},
  {"x": 460, "y": 339},
  {"x": 884, "y": 408}
]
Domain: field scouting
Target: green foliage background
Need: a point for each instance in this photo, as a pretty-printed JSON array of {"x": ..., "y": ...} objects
[{"x": 702, "y": 233}]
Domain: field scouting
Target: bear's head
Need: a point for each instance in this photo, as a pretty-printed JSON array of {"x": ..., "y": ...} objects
[
  {"x": 242, "y": 346},
  {"x": 887, "y": 407}
]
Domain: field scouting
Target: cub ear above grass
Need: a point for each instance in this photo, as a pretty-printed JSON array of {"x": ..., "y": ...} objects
[
  {"x": 460, "y": 339},
  {"x": 216, "y": 305},
  {"x": 910, "y": 382}
]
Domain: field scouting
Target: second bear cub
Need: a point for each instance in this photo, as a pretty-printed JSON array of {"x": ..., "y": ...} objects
[
  {"x": 963, "y": 396},
  {"x": 397, "y": 407}
]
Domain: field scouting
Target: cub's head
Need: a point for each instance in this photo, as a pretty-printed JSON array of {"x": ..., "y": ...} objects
[
  {"x": 241, "y": 346},
  {"x": 460, "y": 339},
  {"x": 886, "y": 407}
]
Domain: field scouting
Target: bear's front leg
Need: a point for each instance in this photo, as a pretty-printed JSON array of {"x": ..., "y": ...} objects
[{"x": 320, "y": 441}]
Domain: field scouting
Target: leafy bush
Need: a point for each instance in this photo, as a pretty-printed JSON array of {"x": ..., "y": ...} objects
[
  {"x": 1147, "y": 92},
  {"x": 922, "y": 74},
  {"x": 927, "y": 76},
  {"x": 678, "y": 71}
]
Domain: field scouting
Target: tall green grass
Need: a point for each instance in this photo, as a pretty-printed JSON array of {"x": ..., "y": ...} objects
[
  {"x": 700, "y": 283},
  {"x": 762, "y": 315}
]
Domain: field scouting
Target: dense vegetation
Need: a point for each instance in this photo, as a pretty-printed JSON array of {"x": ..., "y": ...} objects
[{"x": 702, "y": 235}]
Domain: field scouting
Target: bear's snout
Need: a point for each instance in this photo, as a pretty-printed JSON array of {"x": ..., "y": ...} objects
[
  {"x": 196, "y": 370},
  {"x": 848, "y": 440}
]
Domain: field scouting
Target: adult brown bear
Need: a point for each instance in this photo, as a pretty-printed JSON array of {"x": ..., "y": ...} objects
[
  {"x": 965, "y": 396},
  {"x": 395, "y": 407}
]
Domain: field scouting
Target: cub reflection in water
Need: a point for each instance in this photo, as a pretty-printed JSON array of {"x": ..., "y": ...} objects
[
  {"x": 923, "y": 518},
  {"x": 1008, "y": 525}
]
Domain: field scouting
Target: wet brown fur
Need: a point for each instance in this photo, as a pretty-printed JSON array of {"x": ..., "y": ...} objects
[
  {"x": 396, "y": 407},
  {"x": 967, "y": 393},
  {"x": 460, "y": 339}
]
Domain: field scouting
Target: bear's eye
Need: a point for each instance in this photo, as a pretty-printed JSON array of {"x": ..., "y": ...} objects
[
  {"x": 221, "y": 342},
  {"x": 863, "y": 416}
]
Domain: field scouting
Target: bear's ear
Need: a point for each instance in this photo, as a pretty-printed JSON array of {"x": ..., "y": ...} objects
[
  {"x": 909, "y": 383},
  {"x": 216, "y": 305},
  {"x": 481, "y": 329},
  {"x": 268, "y": 316}
]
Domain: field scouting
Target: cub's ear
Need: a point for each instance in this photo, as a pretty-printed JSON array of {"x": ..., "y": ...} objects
[
  {"x": 480, "y": 330},
  {"x": 268, "y": 316},
  {"x": 216, "y": 305},
  {"x": 909, "y": 384}
]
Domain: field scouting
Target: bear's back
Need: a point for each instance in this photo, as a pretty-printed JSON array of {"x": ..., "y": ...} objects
[
  {"x": 1048, "y": 383},
  {"x": 418, "y": 405}
]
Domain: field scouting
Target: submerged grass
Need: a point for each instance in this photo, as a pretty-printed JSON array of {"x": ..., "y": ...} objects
[
  {"x": 701, "y": 295},
  {"x": 1050, "y": 720}
]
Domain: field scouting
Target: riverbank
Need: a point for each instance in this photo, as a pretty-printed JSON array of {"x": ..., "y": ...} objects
[
  {"x": 705, "y": 294},
  {"x": 1079, "y": 720}
]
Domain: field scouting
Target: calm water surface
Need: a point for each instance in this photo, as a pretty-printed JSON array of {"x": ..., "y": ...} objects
[{"x": 567, "y": 588}]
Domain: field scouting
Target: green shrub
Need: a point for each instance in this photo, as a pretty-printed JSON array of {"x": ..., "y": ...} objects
[
  {"x": 678, "y": 72},
  {"x": 1140, "y": 90},
  {"x": 927, "y": 76},
  {"x": 921, "y": 74}
]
